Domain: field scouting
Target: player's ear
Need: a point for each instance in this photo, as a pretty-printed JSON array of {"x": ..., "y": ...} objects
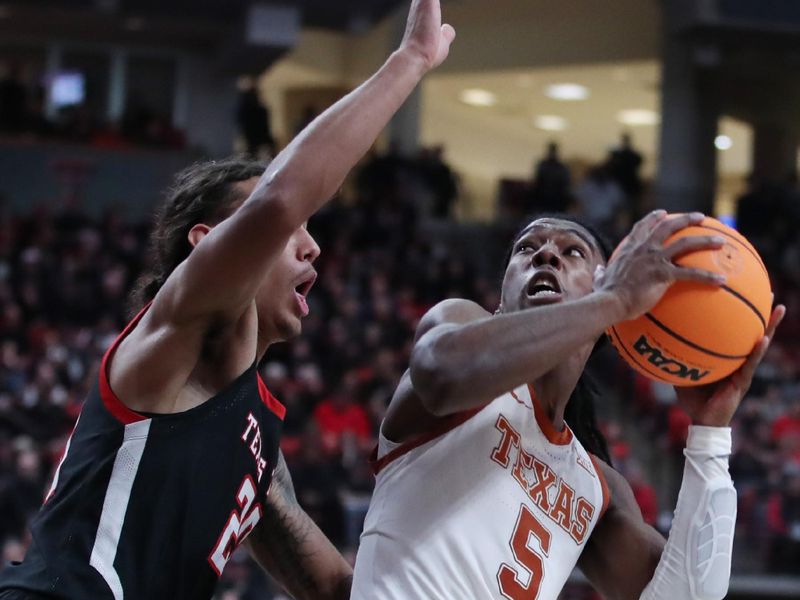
[{"x": 197, "y": 233}]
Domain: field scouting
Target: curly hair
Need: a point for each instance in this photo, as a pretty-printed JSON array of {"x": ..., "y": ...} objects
[{"x": 202, "y": 193}]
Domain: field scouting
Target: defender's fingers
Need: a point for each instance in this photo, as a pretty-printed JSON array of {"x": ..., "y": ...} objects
[
  {"x": 692, "y": 243},
  {"x": 669, "y": 226}
]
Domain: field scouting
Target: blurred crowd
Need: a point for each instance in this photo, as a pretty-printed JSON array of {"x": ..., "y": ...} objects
[
  {"x": 64, "y": 279},
  {"x": 24, "y": 114}
]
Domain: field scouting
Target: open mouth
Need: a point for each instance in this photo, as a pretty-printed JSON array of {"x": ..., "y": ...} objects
[
  {"x": 544, "y": 286},
  {"x": 301, "y": 291},
  {"x": 305, "y": 286}
]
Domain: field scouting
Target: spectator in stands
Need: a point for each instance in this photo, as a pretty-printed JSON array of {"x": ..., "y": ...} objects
[
  {"x": 786, "y": 432},
  {"x": 440, "y": 179},
  {"x": 601, "y": 199},
  {"x": 551, "y": 183},
  {"x": 783, "y": 520},
  {"x": 255, "y": 124},
  {"x": 624, "y": 164},
  {"x": 340, "y": 420},
  {"x": 13, "y": 99}
]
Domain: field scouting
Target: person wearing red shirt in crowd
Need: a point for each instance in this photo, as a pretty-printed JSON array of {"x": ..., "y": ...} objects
[
  {"x": 786, "y": 430},
  {"x": 338, "y": 416}
]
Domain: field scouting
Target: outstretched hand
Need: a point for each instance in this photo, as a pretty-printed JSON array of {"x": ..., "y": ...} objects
[
  {"x": 714, "y": 404},
  {"x": 643, "y": 267},
  {"x": 425, "y": 35}
]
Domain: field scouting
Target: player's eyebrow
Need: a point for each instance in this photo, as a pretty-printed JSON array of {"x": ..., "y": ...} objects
[{"x": 573, "y": 230}]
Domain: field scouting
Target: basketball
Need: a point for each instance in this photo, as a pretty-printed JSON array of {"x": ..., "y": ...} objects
[{"x": 698, "y": 334}]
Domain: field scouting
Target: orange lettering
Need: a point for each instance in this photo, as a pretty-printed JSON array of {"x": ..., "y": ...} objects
[{"x": 562, "y": 508}]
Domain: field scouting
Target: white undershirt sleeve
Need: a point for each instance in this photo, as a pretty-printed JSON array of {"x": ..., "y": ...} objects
[{"x": 696, "y": 562}]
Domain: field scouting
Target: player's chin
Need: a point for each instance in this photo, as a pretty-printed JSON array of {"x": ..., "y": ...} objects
[{"x": 290, "y": 327}]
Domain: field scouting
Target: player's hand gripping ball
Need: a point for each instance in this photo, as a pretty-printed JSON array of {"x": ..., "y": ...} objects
[{"x": 699, "y": 334}]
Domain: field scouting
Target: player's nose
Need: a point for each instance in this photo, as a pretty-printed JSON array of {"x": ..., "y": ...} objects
[
  {"x": 547, "y": 254},
  {"x": 307, "y": 247}
]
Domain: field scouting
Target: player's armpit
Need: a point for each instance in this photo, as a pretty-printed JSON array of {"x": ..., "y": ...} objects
[
  {"x": 291, "y": 548},
  {"x": 623, "y": 551}
]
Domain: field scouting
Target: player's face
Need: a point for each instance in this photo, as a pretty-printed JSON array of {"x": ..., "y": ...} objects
[
  {"x": 281, "y": 300},
  {"x": 552, "y": 260}
]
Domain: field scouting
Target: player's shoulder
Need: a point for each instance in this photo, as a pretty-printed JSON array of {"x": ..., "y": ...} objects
[{"x": 455, "y": 311}]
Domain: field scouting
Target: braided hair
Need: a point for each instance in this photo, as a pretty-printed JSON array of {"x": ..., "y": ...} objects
[
  {"x": 579, "y": 412},
  {"x": 202, "y": 193}
]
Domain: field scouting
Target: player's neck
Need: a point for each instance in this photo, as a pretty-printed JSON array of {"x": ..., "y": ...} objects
[{"x": 554, "y": 389}]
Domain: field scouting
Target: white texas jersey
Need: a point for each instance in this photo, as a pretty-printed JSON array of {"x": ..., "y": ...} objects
[{"x": 494, "y": 504}]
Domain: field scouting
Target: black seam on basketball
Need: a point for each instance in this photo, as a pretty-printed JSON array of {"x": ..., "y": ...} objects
[
  {"x": 690, "y": 343},
  {"x": 738, "y": 241},
  {"x": 749, "y": 304},
  {"x": 634, "y": 359}
]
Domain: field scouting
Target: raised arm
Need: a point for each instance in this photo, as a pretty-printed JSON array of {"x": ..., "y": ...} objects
[
  {"x": 207, "y": 303},
  {"x": 238, "y": 253},
  {"x": 291, "y": 548}
]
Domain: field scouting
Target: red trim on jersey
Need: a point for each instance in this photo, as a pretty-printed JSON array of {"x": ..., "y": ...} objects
[
  {"x": 270, "y": 401},
  {"x": 446, "y": 425},
  {"x": 112, "y": 403},
  {"x": 560, "y": 438},
  {"x": 603, "y": 484}
]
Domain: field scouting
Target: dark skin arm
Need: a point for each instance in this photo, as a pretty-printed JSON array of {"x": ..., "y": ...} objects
[
  {"x": 464, "y": 357},
  {"x": 622, "y": 553},
  {"x": 291, "y": 548}
]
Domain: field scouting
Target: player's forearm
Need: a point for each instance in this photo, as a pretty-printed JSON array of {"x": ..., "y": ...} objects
[
  {"x": 312, "y": 168},
  {"x": 696, "y": 561},
  {"x": 459, "y": 367},
  {"x": 239, "y": 252},
  {"x": 291, "y": 548}
]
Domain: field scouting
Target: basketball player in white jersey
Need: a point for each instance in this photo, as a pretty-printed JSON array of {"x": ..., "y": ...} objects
[{"x": 485, "y": 491}]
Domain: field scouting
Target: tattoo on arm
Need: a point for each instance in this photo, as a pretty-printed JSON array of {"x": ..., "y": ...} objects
[{"x": 284, "y": 542}]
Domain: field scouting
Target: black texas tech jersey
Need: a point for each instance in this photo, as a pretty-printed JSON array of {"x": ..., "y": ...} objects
[{"x": 146, "y": 507}]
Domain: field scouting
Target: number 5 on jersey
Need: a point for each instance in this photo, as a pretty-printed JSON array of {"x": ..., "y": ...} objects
[{"x": 531, "y": 561}]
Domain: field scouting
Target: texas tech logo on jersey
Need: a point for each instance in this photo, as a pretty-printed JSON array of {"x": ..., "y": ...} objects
[{"x": 243, "y": 519}]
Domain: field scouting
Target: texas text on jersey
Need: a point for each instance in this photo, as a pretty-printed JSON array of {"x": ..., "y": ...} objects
[{"x": 495, "y": 504}]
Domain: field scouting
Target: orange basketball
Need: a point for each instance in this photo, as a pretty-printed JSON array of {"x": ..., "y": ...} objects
[{"x": 699, "y": 334}]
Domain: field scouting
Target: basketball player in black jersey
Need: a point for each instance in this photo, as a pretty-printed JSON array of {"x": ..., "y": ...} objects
[{"x": 174, "y": 460}]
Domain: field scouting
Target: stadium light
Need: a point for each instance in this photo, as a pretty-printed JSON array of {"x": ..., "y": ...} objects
[
  {"x": 478, "y": 97},
  {"x": 638, "y": 116},
  {"x": 567, "y": 92},
  {"x": 550, "y": 122},
  {"x": 723, "y": 142}
]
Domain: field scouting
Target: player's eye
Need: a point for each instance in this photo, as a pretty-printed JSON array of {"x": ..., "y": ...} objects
[
  {"x": 525, "y": 247},
  {"x": 576, "y": 251}
]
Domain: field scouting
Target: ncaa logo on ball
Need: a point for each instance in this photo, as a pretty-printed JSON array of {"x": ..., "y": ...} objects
[
  {"x": 669, "y": 364},
  {"x": 729, "y": 259}
]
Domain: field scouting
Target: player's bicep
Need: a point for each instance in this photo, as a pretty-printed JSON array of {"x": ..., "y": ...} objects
[
  {"x": 407, "y": 416},
  {"x": 623, "y": 551}
]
